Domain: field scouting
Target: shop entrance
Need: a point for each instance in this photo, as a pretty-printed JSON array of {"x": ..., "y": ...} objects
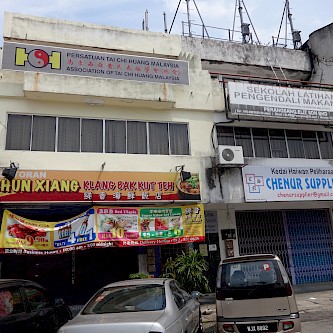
[
  {"x": 301, "y": 238},
  {"x": 74, "y": 276}
]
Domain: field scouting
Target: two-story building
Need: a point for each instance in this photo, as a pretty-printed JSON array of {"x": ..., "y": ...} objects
[{"x": 144, "y": 138}]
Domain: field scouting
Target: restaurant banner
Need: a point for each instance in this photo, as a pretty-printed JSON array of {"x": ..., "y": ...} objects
[
  {"x": 257, "y": 101},
  {"x": 55, "y": 60},
  {"x": 287, "y": 183},
  {"x": 103, "y": 227},
  {"x": 102, "y": 187}
]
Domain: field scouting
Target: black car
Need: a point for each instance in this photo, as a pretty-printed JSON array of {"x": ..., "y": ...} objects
[{"x": 26, "y": 306}]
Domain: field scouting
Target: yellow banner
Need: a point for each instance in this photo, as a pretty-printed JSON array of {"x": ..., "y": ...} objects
[{"x": 104, "y": 227}]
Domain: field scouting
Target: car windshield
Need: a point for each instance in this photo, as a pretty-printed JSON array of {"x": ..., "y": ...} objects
[
  {"x": 252, "y": 279},
  {"x": 132, "y": 298}
]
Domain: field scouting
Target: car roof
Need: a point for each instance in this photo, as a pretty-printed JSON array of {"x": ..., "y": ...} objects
[
  {"x": 250, "y": 257},
  {"x": 18, "y": 282},
  {"x": 131, "y": 282}
]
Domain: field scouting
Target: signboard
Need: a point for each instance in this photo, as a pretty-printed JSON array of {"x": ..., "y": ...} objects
[
  {"x": 211, "y": 221},
  {"x": 103, "y": 227},
  {"x": 104, "y": 186},
  {"x": 55, "y": 60},
  {"x": 256, "y": 101},
  {"x": 287, "y": 183}
]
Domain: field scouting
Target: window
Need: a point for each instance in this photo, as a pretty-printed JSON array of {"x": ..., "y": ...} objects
[
  {"x": 225, "y": 136},
  {"x": 277, "y": 143},
  {"x": 69, "y": 134},
  {"x": 136, "y": 137},
  {"x": 37, "y": 298},
  {"x": 92, "y": 136},
  {"x": 18, "y": 132},
  {"x": 243, "y": 138},
  {"x": 10, "y": 302},
  {"x": 295, "y": 144},
  {"x": 43, "y": 133},
  {"x": 179, "y": 143},
  {"x": 325, "y": 144},
  {"x": 252, "y": 280},
  {"x": 177, "y": 295},
  {"x": 65, "y": 134},
  {"x": 115, "y": 136},
  {"x": 127, "y": 298},
  {"x": 159, "y": 138},
  {"x": 261, "y": 142},
  {"x": 310, "y": 144}
]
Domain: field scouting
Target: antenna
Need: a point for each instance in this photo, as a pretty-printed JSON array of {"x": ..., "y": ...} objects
[
  {"x": 165, "y": 23},
  {"x": 146, "y": 20},
  {"x": 245, "y": 27},
  {"x": 296, "y": 34},
  {"x": 188, "y": 17}
]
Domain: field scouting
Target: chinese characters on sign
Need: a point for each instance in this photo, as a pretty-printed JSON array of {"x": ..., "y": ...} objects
[
  {"x": 103, "y": 227},
  {"x": 80, "y": 186},
  {"x": 54, "y": 60}
]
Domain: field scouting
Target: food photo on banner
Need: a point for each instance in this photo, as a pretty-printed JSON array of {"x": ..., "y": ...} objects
[{"x": 103, "y": 227}]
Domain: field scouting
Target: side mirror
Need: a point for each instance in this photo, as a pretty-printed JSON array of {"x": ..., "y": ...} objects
[
  {"x": 196, "y": 295},
  {"x": 59, "y": 302}
]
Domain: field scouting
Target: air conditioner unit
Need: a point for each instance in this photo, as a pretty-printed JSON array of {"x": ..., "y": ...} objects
[{"x": 229, "y": 156}]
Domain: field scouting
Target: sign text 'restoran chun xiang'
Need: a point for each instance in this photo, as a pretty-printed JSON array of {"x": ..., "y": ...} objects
[{"x": 90, "y": 186}]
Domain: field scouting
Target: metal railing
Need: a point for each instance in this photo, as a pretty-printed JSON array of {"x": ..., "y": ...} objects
[
  {"x": 283, "y": 42},
  {"x": 210, "y": 32},
  {"x": 230, "y": 35}
]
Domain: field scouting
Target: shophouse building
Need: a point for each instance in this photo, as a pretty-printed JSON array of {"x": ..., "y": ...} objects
[{"x": 103, "y": 122}]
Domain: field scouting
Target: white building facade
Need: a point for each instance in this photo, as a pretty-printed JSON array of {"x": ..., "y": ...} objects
[{"x": 81, "y": 100}]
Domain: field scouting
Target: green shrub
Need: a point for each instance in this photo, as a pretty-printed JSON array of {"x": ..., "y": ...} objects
[
  {"x": 139, "y": 276},
  {"x": 189, "y": 269}
]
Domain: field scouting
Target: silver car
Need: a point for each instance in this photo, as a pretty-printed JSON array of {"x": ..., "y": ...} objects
[{"x": 139, "y": 305}]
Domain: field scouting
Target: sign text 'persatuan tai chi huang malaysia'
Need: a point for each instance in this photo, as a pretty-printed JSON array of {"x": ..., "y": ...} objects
[
  {"x": 287, "y": 183},
  {"x": 55, "y": 60},
  {"x": 254, "y": 101}
]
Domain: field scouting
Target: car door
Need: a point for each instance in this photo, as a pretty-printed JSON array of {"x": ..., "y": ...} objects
[
  {"x": 182, "y": 301},
  {"x": 41, "y": 308},
  {"x": 191, "y": 308},
  {"x": 13, "y": 315}
]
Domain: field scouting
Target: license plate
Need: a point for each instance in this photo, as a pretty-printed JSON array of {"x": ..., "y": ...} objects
[{"x": 257, "y": 328}]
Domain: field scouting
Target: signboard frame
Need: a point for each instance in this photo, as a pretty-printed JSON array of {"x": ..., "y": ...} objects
[{"x": 272, "y": 103}]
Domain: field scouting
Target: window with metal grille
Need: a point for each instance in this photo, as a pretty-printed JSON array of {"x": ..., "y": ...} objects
[
  {"x": 66, "y": 134},
  {"x": 277, "y": 143}
]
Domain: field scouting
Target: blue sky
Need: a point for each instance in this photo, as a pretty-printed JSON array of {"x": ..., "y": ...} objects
[{"x": 265, "y": 15}]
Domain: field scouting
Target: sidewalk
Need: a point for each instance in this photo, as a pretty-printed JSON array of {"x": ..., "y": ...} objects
[{"x": 310, "y": 299}]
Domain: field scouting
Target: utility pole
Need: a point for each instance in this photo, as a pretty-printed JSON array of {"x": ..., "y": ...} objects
[
  {"x": 245, "y": 27},
  {"x": 189, "y": 18},
  {"x": 296, "y": 34}
]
